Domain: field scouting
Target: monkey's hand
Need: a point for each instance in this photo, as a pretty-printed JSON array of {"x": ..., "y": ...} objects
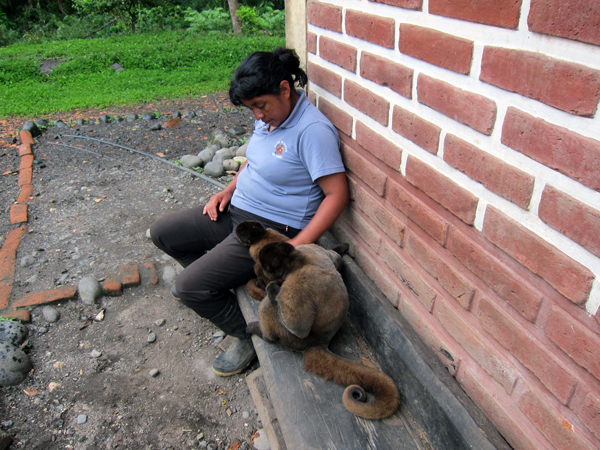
[
  {"x": 273, "y": 289},
  {"x": 254, "y": 328}
]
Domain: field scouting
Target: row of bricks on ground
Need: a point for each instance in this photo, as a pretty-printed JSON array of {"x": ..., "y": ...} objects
[
  {"x": 18, "y": 211},
  {"x": 128, "y": 276}
]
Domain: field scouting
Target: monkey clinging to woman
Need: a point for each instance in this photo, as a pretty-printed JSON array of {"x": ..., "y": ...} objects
[{"x": 293, "y": 182}]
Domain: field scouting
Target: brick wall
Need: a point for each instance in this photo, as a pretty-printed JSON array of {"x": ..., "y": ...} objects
[{"x": 472, "y": 141}]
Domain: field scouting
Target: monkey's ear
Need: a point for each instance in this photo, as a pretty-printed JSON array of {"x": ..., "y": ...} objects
[
  {"x": 274, "y": 258},
  {"x": 250, "y": 232}
]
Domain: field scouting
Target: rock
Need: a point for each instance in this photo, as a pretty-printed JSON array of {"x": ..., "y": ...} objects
[
  {"x": 207, "y": 154},
  {"x": 131, "y": 117},
  {"x": 176, "y": 115},
  {"x": 13, "y": 332},
  {"x": 81, "y": 419},
  {"x": 148, "y": 117},
  {"x": 169, "y": 275},
  {"x": 199, "y": 112},
  {"x": 240, "y": 159},
  {"x": 148, "y": 235},
  {"x": 224, "y": 153},
  {"x": 154, "y": 372},
  {"x": 32, "y": 128},
  {"x": 261, "y": 442},
  {"x": 246, "y": 415},
  {"x": 14, "y": 365},
  {"x": 191, "y": 161},
  {"x": 42, "y": 123},
  {"x": 118, "y": 67},
  {"x": 218, "y": 333},
  {"x": 231, "y": 165},
  {"x": 96, "y": 354},
  {"x": 242, "y": 150},
  {"x": 156, "y": 127},
  {"x": 213, "y": 169},
  {"x": 222, "y": 139},
  {"x": 237, "y": 130},
  {"x": 189, "y": 114},
  {"x": 50, "y": 314},
  {"x": 159, "y": 322},
  {"x": 104, "y": 118},
  {"x": 89, "y": 290},
  {"x": 119, "y": 119},
  {"x": 27, "y": 261},
  {"x": 60, "y": 124},
  {"x": 151, "y": 337},
  {"x": 80, "y": 121}
]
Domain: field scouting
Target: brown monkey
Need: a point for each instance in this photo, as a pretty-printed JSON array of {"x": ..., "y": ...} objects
[
  {"x": 256, "y": 236},
  {"x": 307, "y": 303}
]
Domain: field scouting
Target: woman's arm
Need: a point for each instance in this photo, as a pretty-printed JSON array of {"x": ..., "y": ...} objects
[
  {"x": 220, "y": 200},
  {"x": 335, "y": 188}
]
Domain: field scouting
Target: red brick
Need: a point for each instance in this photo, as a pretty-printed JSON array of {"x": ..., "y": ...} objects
[
  {"x": 453, "y": 282},
  {"x": 566, "y": 275},
  {"x": 25, "y": 193},
  {"x": 496, "y": 175},
  {"x": 324, "y": 15},
  {"x": 417, "y": 211},
  {"x": 571, "y": 19},
  {"x": 410, "y": 277},
  {"x": 437, "y": 48},
  {"x": 528, "y": 349},
  {"x": 374, "y": 271},
  {"x": 374, "y": 106},
  {"x": 473, "y": 110},
  {"x": 338, "y": 117},
  {"x": 498, "y": 13},
  {"x": 376, "y": 29},
  {"x": 558, "y": 429},
  {"x": 26, "y": 137},
  {"x": 361, "y": 227},
  {"x": 375, "y": 210},
  {"x": 338, "y": 53},
  {"x": 363, "y": 169},
  {"x": 378, "y": 146},
  {"x": 575, "y": 340},
  {"x": 505, "y": 282},
  {"x": 446, "y": 192},
  {"x": 18, "y": 213},
  {"x": 387, "y": 73},
  {"x": 589, "y": 413},
  {"x": 518, "y": 431},
  {"x": 570, "y": 87},
  {"x": 461, "y": 327},
  {"x": 25, "y": 176},
  {"x": 416, "y": 5},
  {"x": 24, "y": 149},
  {"x": 328, "y": 80},
  {"x": 311, "y": 42},
  {"x": 22, "y": 315},
  {"x": 425, "y": 134},
  {"x": 8, "y": 255},
  {"x": 560, "y": 149},
  {"x": 129, "y": 275},
  {"x": 312, "y": 96},
  {"x": 576, "y": 220},
  {"x": 49, "y": 296},
  {"x": 112, "y": 287},
  {"x": 149, "y": 272},
  {"x": 172, "y": 123}
]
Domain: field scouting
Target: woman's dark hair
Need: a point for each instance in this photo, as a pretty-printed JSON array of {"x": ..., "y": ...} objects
[{"x": 261, "y": 73}]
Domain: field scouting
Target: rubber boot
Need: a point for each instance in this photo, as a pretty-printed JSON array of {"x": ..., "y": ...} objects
[{"x": 241, "y": 352}]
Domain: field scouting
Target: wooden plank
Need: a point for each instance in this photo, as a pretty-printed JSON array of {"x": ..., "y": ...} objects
[
  {"x": 310, "y": 409},
  {"x": 260, "y": 395}
]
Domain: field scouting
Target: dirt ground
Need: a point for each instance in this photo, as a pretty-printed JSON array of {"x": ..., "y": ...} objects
[{"x": 88, "y": 216}]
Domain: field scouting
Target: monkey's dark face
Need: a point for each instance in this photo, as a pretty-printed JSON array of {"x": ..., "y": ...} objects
[
  {"x": 250, "y": 232},
  {"x": 275, "y": 259}
]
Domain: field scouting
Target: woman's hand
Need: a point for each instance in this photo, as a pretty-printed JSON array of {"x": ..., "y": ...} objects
[{"x": 217, "y": 204}]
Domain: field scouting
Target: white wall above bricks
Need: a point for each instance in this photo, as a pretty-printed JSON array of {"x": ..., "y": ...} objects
[{"x": 471, "y": 135}]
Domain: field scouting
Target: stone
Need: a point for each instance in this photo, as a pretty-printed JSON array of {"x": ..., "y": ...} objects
[
  {"x": 191, "y": 161},
  {"x": 95, "y": 354},
  {"x": 240, "y": 159},
  {"x": 118, "y": 119},
  {"x": 231, "y": 165},
  {"x": 260, "y": 440},
  {"x": 27, "y": 261},
  {"x": 153, "y": 373},
  {"x": 189, "y": 114},
  {"x": 213, "y": 169},
  {"x": 118, "y": 67},
  {"x": 60, "y": 124},
  {"x": 159, "y": 322},
  {"x": 176, "y": 115},
  {"x": 200, "y": 112},
  {"x": 148, "y": 233},
  {"x": 169, "y": 275},
  {"x": 80, "y": 121},
  {"x": 151, "y": 337},
  {"x": 14, "y": 365},
  {"x": 131, "y": 117},
  {"x": 50, "y": 314},
  {"x": 32, "y": 128},
  {"x": 237, "y": 130},
  {"x": 42, "y": 123},
  {"x": 81, "y": 419},
  {"x": 89, "y": 290},
  {"x": 222, "y": 138},
  {"x": 242, "y": 150},
  {"x": 148, "y": 117},
  {"x": 225, "y": 153},
  {"x": 208, "y": 153},
  {"x": 13, "y": 332},
  {"x": 156, "y": 127},
  {"x": 104, "y": 118}
]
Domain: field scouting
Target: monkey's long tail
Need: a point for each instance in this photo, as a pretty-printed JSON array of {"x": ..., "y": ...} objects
[{"x": 357, "y": 378}]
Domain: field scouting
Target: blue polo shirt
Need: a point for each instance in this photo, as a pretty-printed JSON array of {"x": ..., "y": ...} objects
[{"x": 279, "y": 181}]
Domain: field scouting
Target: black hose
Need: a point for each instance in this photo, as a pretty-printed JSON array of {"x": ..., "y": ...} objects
[{"x": 185, "y": 169}]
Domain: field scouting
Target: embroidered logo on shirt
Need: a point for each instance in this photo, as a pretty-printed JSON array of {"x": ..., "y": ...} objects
[{"x": 280, "y": 149}]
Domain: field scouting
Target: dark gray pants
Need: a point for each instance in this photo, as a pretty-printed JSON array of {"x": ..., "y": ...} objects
[{"x": 213, "y": 258}]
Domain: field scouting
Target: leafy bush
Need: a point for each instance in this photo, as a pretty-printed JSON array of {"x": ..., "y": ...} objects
[
  {"x": 263, "y": 19},
  {"x": 209, "y": 20}
]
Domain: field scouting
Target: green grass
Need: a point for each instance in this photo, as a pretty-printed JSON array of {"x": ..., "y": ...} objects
[{"x": 159, "y": 66}]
